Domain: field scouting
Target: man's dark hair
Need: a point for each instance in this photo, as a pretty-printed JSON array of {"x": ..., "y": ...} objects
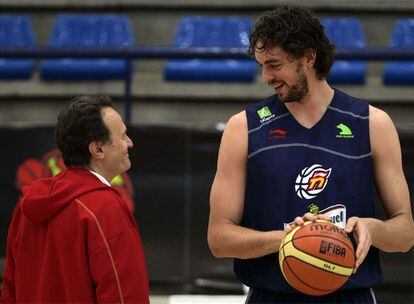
[
  {"x": 296, "y": 31},
  {"x": 79, "y": 123}
]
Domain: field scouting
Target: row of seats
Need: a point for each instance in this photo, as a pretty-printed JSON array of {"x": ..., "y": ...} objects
[{"x": 111, "y": 30}]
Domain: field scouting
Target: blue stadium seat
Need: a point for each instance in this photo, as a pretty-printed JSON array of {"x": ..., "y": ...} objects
[
  {"x": 201, "y": 31},
  {"x": 400, "y": 72},
  {"x": 346, "y": 33},
  {"x": 89, "y": 31},
  {"x": 16, "y": 31}
]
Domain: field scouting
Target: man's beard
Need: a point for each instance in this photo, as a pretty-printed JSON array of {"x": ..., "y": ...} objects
[{"x": 298, "y": 91}]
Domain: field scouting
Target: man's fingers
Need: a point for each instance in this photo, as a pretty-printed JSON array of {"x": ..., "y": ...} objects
[
  {"x": 360, "y": 255},
  {"x": 288, "y": 228},
  {"x": 351, "y": 224},
  {"x": 309, "y": 217},
  {"x": 299, "y": 221},
  {"x": 364, "y": 243},
  {"x": 362, "y": 237},
  {"x": 323, "y": 217}
]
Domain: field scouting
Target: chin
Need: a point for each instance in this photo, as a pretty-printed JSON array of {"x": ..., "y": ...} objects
[
  {"x": 126, "y": 167},
  {"x": 285, "y": 100}
]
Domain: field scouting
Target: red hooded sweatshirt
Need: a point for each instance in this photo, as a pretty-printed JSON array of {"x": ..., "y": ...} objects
[{"x": 73, "y": 239}]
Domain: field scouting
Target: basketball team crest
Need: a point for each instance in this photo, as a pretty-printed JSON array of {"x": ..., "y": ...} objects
[{"x": 311, "y": 181}]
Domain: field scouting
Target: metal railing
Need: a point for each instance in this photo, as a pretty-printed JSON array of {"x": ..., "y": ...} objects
[{"x": 133, "y": 53}]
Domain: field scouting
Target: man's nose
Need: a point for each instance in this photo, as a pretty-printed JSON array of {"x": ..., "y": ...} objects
[
  {"x": 267, "y": 76},
  {"x": 130, "y": 142}
]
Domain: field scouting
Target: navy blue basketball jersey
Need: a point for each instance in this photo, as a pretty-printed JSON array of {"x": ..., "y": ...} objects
[{"x": 293, "y": 170}]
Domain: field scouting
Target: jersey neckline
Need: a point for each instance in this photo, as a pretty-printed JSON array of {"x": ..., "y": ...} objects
[{"x": 320, "y": 121}]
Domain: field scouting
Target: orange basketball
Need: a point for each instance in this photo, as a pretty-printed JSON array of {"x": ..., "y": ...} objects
[{"x": 317, "y": 258}]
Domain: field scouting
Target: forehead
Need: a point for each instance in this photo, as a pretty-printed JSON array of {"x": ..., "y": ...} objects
[
  {"x": 271, "y": 54},
  {"x": 112, "y": 120}
]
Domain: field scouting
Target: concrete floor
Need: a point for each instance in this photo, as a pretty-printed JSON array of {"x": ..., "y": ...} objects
[
  {"x": 159, "y": 299},
  {"x": 197, "y": 299}
]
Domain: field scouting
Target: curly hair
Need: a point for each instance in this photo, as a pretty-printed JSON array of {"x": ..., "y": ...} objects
[
  {"x": 79, "y": 123},
  {"x": 296, "y": 31}
]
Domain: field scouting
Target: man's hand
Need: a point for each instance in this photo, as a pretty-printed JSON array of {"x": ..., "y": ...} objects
[
  {"x": 300, "y": 220},
  {"x": 362, "y": 236}
]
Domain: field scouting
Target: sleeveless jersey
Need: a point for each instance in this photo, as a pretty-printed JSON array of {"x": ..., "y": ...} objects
[{"x": 292, "y": 170}]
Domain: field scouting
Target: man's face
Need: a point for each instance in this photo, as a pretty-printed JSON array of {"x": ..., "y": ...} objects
[
  {"x": 116, "y": 157},
  {"x": 285, "y": 75}
]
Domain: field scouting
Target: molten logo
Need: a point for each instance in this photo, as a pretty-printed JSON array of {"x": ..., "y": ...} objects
[
  {"x": 328, "y": 228},
  {"x": 311, "y": 181}
]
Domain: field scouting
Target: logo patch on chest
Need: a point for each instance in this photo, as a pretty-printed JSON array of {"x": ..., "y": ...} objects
[
  {"x": 345, "y": 131},
  {"x": 311, "y": 181},
  {"x": 277, "y": 134},
  {"x": 265, "y": 114}
]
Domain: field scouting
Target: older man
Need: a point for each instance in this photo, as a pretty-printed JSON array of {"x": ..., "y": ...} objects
[{"x": 72, "y": 237}]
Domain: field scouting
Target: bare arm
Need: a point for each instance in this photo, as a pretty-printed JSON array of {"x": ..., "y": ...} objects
[
  {"x": 226, "y": 238},
  {"x": 396, "y": 233}
]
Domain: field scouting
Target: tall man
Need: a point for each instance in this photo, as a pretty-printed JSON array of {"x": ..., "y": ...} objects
[
  {"x": 309, "y": 151},
  {"x": 72, "y": 237}
]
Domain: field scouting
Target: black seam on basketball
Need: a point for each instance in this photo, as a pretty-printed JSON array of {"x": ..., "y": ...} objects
[
  {"x": 284, "y": 252},
  {"x": 291, "y": 241},
  {"x": 286, "y": 244},
  {"x": 342, "y": 275},
  {"x": 324, "y": 290},
  {"x": 328, "y": 237}
]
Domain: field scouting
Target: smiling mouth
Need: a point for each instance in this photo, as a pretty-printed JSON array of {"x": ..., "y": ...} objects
[{"x": 277, "y": 87}]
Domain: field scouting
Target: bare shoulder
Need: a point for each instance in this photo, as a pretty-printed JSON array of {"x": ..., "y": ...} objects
[
  {"x": 235, "y": 132},
  {"x": 379, "y": 118},
  {"x": 237, "y": 121},
  {"x": 382, "y": 130},
  {"x": 233, "y": 147}
]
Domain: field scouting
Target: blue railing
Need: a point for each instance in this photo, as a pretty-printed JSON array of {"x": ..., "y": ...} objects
[{"x": 132, "y": 53}]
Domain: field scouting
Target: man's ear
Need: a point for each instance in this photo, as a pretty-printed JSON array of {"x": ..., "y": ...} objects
[
  {"x": 96, "y": 149},
  {"x": 310, "y": 57}
]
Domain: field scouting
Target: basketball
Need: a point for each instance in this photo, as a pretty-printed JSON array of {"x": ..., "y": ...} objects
[{"x": 317, "y": 258}]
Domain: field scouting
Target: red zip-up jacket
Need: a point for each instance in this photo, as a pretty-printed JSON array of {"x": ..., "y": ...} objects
[{"x": 73, "y": 239}]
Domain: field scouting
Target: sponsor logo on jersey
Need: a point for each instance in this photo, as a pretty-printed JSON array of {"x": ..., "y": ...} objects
[
  {"x": 277, "y": 134},
  {"x": 265, "y": 114},
  {"x": 337, "y": 213},
  {"x": 311, "y": 181},
  {"x": 345, "y": 131}
]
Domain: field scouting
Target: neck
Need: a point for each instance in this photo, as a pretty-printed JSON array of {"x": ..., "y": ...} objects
[
  {"x": 96, "y": 167},
  {"x": 317, "y": 101}
]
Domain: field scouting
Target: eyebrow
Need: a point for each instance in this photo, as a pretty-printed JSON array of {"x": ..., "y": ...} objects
[
  {"x": 272, "y": 61},
  {"x": 269, "y": 61}
]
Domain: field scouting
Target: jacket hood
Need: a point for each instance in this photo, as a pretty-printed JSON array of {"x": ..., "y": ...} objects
[{"x": 48, "y": 196}]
